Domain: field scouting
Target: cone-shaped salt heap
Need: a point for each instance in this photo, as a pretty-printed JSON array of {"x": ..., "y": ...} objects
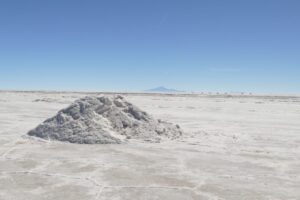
[{"x": 104, "y": 120}]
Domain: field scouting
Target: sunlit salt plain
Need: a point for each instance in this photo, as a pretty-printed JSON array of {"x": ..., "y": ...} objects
[{"x": 234, "y": 148}]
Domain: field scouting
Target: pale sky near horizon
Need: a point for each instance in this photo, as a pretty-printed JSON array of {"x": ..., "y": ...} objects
[{"x": 133, "y": 45}]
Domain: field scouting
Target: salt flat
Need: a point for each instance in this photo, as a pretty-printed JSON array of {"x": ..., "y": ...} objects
[{"x": 234, "y": 147}]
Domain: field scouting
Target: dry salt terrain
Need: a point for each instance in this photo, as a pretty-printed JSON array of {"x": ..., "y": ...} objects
[{"x": 233, "y": 148}]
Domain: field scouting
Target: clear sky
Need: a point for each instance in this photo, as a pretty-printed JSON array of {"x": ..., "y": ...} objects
[{"x": 118, "y": 45}]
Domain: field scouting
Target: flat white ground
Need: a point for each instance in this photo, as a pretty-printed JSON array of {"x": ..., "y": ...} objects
[{"x": 234, "y": 148}]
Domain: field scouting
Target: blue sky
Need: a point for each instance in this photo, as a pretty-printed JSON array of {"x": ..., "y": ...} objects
[{"x": 132, "y": 45}]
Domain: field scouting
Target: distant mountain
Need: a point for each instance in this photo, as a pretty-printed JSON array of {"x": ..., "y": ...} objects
[{"x": 162, "y": 89}]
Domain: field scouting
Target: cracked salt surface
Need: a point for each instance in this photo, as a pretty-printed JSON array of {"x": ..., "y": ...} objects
[{"x": 226, "y": 152}]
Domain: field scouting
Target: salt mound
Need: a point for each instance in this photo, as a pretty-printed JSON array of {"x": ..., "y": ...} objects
[{"x": 104, "y": 120}]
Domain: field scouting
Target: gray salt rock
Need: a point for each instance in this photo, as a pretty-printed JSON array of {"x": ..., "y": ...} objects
[{"x": 104, "y": 120}]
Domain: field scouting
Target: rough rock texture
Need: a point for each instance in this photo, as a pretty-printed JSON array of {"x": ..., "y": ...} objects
[{"x": 104, "y": 120}]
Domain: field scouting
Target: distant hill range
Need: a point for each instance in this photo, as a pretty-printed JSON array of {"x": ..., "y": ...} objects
[{"x": 162, "y": 89}]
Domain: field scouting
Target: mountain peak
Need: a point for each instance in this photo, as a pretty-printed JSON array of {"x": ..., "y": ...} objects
[{"x": 162, "y": 89}]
